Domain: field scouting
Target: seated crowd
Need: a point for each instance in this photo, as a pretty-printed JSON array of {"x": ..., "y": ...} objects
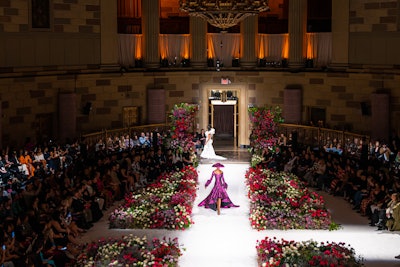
[
  {"x": 50, "y": 194},
  {"x": 366, "y": 176}
]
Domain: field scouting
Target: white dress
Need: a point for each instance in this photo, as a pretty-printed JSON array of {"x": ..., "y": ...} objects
[{"x": 208, "y": 150}]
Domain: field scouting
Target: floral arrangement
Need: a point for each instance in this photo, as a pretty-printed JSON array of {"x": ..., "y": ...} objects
[
  {"x": 182, "y": 125},
  {"x": 264, "y": 122},
  {"x": 130, "y": 251},
  {"x": 256, "y": 159},
  {"x": 279, "y": 200},
  {"x": 165, "y": 204},
  {"x": 272, "y": 252}
]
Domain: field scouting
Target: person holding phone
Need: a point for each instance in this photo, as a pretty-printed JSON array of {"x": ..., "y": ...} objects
[
  {"x": 3, "y": 255},
  {"x": 4, "y": 260},
  {"x": 10, "y": 247}
]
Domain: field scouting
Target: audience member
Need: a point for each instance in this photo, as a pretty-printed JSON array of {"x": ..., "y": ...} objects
[{"x": 393, "y": 214}]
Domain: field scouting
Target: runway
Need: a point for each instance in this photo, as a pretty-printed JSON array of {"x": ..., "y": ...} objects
[{"x": 228, "y": 240}]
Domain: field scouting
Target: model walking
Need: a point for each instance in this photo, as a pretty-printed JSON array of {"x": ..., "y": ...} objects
[
  {"x": 218, "y": 197},
  {"x": 208, "y": 150}
]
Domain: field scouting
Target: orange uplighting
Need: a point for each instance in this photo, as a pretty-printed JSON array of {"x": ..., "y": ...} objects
[
  {"x": 185, "y": 51},
  {"x": 138, "y": 48},
  {"x": 261, "y": 52},
  {"x": 161, "y": 45},
  {"x": 210, "y": 48},
  {"x": 285, "y": 47},
  {"x": 310, "y": 46},
  {"x": 138, "y": 53}
]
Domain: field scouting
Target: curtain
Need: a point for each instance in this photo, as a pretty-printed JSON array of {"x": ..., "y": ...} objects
[
  {"x": 273, "y": 47},
  {"x": 223, "y": 46},
  {"x": 319, "y": 48},
  {"x": 174, "y": 47},
  {"x": 129, "y": 49}
]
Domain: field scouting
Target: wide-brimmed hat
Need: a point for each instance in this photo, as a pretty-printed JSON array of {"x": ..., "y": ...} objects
[{"x": 218, "y": 165}]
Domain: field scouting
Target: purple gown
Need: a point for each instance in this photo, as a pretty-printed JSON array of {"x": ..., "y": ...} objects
[{"x": 219, "y": 191}]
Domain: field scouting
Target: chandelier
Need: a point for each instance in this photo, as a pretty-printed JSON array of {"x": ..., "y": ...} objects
[{"x": 223, "y": 13}]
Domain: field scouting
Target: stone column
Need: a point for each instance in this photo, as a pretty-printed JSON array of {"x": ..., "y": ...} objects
[
  {"x": 248, "y": 32},
  {"x": 109, "y": 35},
  {"x": 340, "y": 33},
  {"x": 297, "y": 32},
  {"x": 198, "y": 31},
  {"x": 151, "y": 32}
]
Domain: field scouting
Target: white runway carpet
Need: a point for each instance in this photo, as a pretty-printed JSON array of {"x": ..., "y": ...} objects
[{"x": 228, "y": 240}]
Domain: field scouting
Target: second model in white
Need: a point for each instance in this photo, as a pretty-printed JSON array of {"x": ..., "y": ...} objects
[{"x": 208, "y": 150}]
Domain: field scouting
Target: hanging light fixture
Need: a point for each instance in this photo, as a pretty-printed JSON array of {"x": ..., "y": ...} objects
[{"x": 223, "y": 14}]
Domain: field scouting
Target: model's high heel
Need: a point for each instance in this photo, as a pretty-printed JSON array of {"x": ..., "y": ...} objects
[{"x": 219, "y": 206}]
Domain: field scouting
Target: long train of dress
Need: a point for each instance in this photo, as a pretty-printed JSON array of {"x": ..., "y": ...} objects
[{"x": 209, "y": 153}]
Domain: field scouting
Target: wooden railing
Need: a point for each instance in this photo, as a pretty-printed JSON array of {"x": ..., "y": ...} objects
[
  {"x": 92, "y": 138},
  {"x": 318, "y": 137},
  {"x": 306, "y": 135}
]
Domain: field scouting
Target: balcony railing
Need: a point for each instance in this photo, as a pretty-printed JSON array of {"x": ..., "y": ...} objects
[
  {"x": 92, "y": 138},
  {"x": 315, "y": 137}
]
